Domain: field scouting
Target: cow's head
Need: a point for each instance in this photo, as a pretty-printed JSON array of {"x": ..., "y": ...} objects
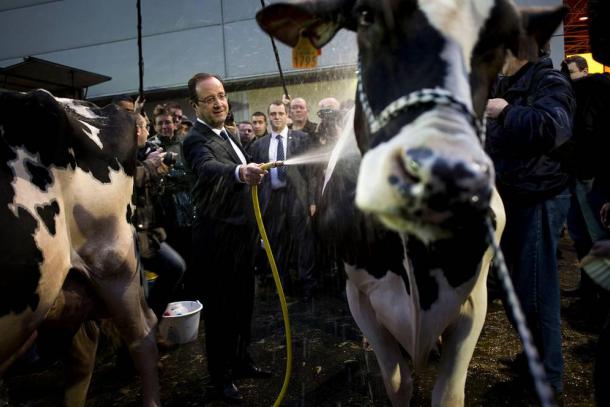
[{"x": 425, "y": 69}]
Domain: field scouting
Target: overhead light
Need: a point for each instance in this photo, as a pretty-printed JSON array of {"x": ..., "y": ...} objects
[{"x": 585, "y": 18}]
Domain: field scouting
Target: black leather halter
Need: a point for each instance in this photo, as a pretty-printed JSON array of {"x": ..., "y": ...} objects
[{"x": 437, "y": 96}]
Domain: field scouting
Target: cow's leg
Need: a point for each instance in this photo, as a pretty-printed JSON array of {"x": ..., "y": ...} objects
[
  {"x": 459, "y": 341},
  {"x": 394, "y": 369},
  {"x": 124, "y": 298},
  {"x": 136, "y": 324},
  {"x": 79, "y": 363}
]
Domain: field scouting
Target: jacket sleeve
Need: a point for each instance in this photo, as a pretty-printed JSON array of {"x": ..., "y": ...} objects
[
  {"x": 540, "y": 125},
  {"x": 146, "y": 175},
  {"x": 204, "y": 164}
]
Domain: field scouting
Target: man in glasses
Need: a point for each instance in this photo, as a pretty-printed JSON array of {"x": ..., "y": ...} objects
[{"x": 224, "y": 235}]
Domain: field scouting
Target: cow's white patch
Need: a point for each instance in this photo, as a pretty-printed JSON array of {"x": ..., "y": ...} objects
[
  {"x": 459, "y": 20},
  {"x": 27, "y": 195},
  {"x": 78, "y": 108},
  {"x": 93, "y": 134},
  {"x": 456, "y": 80},
  {"x": 105, "y": 200}
]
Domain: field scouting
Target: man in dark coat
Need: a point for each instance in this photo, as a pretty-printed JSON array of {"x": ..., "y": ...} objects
[
  {"x": 530, "y": 117},
  {"x": 224, "y": 235},
  {"x": 286, "y": 196},
  {"x": 299, "y": 113},
  {"x": 588, "y": 162}
]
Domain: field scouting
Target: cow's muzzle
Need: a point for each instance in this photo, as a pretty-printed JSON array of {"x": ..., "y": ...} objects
[{"x": 422, "y": 188}]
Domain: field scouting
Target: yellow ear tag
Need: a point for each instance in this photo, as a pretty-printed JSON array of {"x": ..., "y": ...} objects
[{"x": 304, "y": 54}]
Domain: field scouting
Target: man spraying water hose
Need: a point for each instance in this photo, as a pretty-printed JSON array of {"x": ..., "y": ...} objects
[{"x": 224, "y": 236}]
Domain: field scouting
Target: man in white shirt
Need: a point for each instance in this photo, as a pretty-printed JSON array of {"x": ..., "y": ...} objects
[
  {"x": 285, "y": 197},
  {"x": 224, "y": 235}
]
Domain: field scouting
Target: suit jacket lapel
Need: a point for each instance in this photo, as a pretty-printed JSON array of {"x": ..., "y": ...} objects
[
  {"x": 215, "y": 138},
  {"x": 266, "y": 142},
  {"x": 289, "y": 145}
]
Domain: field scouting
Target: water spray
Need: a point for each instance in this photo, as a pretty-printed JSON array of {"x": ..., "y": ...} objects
[{"x": 276, "y": 278}]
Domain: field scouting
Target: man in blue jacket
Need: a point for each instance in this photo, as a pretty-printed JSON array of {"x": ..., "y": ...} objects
[{"x": 530, "y": 116}]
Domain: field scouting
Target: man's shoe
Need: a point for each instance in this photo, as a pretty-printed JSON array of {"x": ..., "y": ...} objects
[
  {"x": 230, "y": 393},
  {"x": 251, "y": 371},
  {"x": 225, "y": 391}
]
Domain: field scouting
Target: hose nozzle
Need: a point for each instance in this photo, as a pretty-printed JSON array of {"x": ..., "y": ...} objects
[{"x": 272, "y": 164}]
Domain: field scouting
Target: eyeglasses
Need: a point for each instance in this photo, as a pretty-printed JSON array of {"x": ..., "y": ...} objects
[{"x": 221, "y": 97}]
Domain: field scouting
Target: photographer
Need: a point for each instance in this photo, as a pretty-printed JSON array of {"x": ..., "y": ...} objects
[
  {"x": 174, "y": 207},
  {"x": 157, "y": 256},
  {"x": 326, "y": 134},
  {"x": 329, "y": 112}
]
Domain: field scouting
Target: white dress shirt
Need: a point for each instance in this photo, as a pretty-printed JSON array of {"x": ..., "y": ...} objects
[
  {"x": 241, "y": 156},
  {"x": 275, "y": 182}
]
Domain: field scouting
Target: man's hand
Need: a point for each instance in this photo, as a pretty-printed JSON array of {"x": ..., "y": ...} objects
[
  {"x": 495, "y": 107},
  {"x": 251, "y": 174},
  {"x": 312, "y": 210},
  {"x": 286, "y": 99},
  {"x": 156, "y": 159}
]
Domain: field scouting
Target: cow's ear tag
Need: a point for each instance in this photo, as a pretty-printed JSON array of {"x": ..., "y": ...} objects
[{"x": 304, "y": 54}]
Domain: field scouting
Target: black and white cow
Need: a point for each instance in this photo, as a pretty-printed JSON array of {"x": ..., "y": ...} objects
[
  {"x": 66, "y": 179},
  {"x": 415, "y": 242}
]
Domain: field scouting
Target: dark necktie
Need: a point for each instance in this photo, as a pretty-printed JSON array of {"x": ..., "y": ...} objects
[
  {"x": 224, "y": 135},
  {"x": 281, "y": 171}
]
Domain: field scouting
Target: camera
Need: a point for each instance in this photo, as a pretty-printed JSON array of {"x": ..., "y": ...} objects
[
  {"x": 169, "y": 159},
  {"x": 328, "y": 114}
]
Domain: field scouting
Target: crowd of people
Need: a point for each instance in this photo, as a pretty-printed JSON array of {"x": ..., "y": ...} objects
[{"x": 546, "y": 133}]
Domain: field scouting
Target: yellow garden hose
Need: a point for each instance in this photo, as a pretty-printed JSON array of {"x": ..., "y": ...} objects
[{"x": 278, "y": 284}]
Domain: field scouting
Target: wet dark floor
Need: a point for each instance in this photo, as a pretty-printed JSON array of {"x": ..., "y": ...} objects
[{"x": 331, "y": 367}]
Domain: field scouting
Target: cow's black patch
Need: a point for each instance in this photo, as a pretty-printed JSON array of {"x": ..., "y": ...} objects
[
  {"x": 21, "y": 259},
  {"x": 60, "y": 138},
  {"x": 357, "y": 239},
  {"x": 129, "y": 214},
  {"x": 458, "y": 258},
  {"x": 19, "y": 256},
  {"x": 39, "y": 175},
  {"x": 419, "y": 154},
  {"x": 379, "y": 55},
  {"x": 47, "y": 214}
]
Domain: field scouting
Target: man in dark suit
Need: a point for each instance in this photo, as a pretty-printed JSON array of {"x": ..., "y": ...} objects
[
  {"x": 224, "y": 235},
  {"x": 286, "y": 196}
]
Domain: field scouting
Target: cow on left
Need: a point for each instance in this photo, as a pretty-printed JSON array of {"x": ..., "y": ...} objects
[{"x": 66, "y": 180}]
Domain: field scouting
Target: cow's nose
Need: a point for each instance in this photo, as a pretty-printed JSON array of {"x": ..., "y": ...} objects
[
  {"x": 442, "y": 183},
  {"x": 455, "y": 183}
]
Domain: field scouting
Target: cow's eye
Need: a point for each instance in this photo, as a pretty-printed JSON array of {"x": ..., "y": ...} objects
[{"x": 366, "y": 18}]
